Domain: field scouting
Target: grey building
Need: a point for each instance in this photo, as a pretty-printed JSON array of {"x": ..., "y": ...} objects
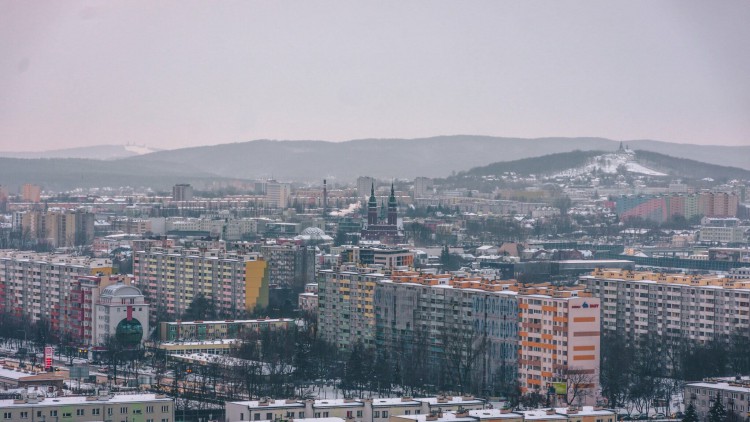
[{"x": 734, "y": 394}]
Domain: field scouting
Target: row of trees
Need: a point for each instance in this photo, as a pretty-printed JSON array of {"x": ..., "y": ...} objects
[{"x": 636, "y": 373}]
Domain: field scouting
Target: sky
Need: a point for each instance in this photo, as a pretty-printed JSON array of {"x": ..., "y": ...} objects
[{"x": 173, "y": 74}]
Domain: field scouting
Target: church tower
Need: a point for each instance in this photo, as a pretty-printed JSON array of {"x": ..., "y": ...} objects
[
  {"x": 372, "y": 208},
  {"x": 392, "y": 208}
]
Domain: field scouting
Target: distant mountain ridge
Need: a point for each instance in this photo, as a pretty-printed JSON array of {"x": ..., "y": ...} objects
[
  {"x": 96, "y": 152},
  {"x": 311, "y": 161},
  {"x": 405, "y": 158}
]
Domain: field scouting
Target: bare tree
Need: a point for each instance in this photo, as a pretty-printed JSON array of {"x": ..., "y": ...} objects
[{"x": 580, "y": 384}]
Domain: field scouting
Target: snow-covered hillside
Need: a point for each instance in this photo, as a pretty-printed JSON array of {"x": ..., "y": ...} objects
[{"x": 610, "y": 163}]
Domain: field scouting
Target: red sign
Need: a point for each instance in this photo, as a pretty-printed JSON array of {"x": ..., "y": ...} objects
[{"x": 48, "y": 353}]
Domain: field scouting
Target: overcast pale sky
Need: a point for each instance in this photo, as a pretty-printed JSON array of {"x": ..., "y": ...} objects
[{"x": 186, "y": 73}]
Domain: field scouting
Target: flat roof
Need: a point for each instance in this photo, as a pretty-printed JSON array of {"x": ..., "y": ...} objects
[{"x": 70, "y": 400}]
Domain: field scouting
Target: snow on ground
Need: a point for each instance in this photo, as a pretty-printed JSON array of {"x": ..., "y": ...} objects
[
  {"x": 139, "y": 149},
  {"x": 609, "y": 163}
]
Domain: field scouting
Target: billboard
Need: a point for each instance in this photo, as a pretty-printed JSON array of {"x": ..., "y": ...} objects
[
  {"x": 48, "y": 353},
  {"x": 560, "y": 387}
]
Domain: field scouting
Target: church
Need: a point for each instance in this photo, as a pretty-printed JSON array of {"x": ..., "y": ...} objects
[{"x": 387, "y": 230}]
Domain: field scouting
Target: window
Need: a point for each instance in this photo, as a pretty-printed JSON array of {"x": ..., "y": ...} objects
[
  {"x": 53, "y": 412},
  {"x": 24, "y": 415},
  {"x": 242, "y": 416},
  {"x": 256, "y": 417},
  {"x": 385, "y": 413},
  {"x": 95, "y": 411},
  {"x": 407, "y": 412},
  {"x": 149, "y": 409},
  {"x": 359, "y": 413},
  {"x": 325, "y": 414},
  {"x": 123, "y": 410},
  {"x": 109, "y": 411},
  {"x": 149, "y": 420},
  {"x": 38, "y": 413},
  {"x": 269, "y": 416},
  {"x": 317, "y": 414},
  {"x": 376, "y": 413},
  {"x": 301, "y": 415},
  {"x": 7, "y": 415},
  {"x": 165, "y": 409},
  {"x": 348, "y": 414},
  {"x": 80, "y": 412},
  {"x": 165, "y": 420}
]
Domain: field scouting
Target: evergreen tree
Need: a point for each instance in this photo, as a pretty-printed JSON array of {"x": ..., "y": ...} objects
[
  {"x": 717, "y": 413},
  {"x": 690, "y": 414},
  {"x": 200, "y": 309}
]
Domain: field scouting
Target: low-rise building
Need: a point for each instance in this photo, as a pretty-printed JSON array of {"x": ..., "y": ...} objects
[
  {"x": 105, "y": 407},
  {"x": 359, "y": 410},
  {"x": 734, "y": 394},
  {"x": 218, "y": 330}
]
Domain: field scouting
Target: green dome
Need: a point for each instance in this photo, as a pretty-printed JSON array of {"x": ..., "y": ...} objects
[{"x": 129, "y": 333}]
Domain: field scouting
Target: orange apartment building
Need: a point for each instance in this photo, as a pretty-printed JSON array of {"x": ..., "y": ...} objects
[{"x": 558, "y": 346}]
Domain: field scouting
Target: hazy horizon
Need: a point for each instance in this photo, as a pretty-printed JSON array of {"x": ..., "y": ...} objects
[{"x": 184, "y": 74}]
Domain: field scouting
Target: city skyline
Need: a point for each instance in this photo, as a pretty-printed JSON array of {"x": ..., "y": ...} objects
[{"x": 180, "y": 75}]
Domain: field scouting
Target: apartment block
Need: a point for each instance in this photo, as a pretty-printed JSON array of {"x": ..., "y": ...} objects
[
  {"x": 31, "y": 193},
  {"x": 346, "y": 314},
  {"x": 43, "y": 286},
  {"x": 172, "y": 277},
  {"x": 218, "y": 330},
  {"x": 106, "y": 407},
  {"x": 537, "y": 336},
  {"x": 559, "y": 341},
  {"x": 453, "y": 318},
  {"x": 671, "y": 306},
  {"x": 290, "y": 265}
]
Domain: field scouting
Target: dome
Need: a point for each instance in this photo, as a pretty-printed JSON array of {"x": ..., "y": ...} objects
[
  {"x": 313, "y": 232},
  {"x": 121, "y": 290}
]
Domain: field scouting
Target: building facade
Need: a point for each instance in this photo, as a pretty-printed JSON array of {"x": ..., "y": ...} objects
[
  {"x": 121, "y": 312},
  {"x": 171, "y": 278},
  {"x": 671, "y": 307},
  {"x": 559, "y": 342},
  {"x": 110, "y": 407},
  {"x": 218, "y": 330},
  {"x": 734, "y": 394},
  {"x": 43, "y": 286}
]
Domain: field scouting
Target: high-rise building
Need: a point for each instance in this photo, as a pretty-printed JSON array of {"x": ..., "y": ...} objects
[
  {"x": 497, "y": 331},
  {"x": 41, "y": 286},
  {"x": 277, "y": 194},
  {"x": 172, "y": 278},
  {"x": 182, "y": 192},
  {"x": 463, "y": 321},
  {"x": 289, "y": 265},
  {"x": 671, "y": 307},
  {"x": 31, "y": 193},
  {"x": 364, "y": 184},
  {"x": 59, "y": 228},
  {"x": 422, "y": 187},
  {"x": 559, "y": 342}
]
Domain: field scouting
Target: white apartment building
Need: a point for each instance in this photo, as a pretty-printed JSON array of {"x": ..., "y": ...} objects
[
  {"x": 734, "y": 394},
  {"x": 671, "y": 306},
  {"x": 356, "y": 410},
  {"x": 121, "y": 311}
]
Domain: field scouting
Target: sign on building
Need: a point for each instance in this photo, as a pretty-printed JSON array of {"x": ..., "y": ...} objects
[{"x": 48, "y": 353}]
